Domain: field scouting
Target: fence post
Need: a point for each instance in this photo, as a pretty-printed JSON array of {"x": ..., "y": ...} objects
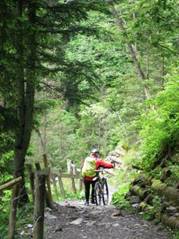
[
  {"x": 48, "y": 199},
  {"x": 61, "y": 185},
  {"x": 13, "y": 212},
  {"x": 39, "y": 206},
  {"x": 81, "y": 184},
  {"x": 73, "y": 178},
  {"x": 48, "y": 177},
  {"x": 31, "y": 177}
]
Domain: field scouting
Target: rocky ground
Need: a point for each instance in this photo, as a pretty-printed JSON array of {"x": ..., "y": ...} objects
[{"x": 72, "y": 220}]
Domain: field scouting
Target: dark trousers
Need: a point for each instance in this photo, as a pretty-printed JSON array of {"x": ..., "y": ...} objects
[{"x": 87, "y": 190}]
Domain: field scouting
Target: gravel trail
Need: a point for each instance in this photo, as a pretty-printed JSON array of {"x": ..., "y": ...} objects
[{"x": 72, "y": 220}]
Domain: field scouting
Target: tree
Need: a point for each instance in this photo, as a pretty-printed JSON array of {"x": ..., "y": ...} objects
[{"x": 40, "y": 31}]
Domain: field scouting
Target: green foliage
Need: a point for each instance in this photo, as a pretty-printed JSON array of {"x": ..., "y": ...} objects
[
  {"x": 121, "y": 182},
  {"x": 24, "y": 218},
  {"x": 176, "y": 235},
  {"x": 6, "y": 155},
  {"x": 76, "y": 196},
  {"x": 149, "y": 212},
  {"x": 4, "y": 215},
  {"x": 88, "y": 90},
  {"x": 119, "y": 199},
  {"x": 161, "y": 125}
]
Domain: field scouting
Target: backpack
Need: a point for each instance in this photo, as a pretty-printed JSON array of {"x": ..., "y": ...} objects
[{"x": 89, "y": 167}]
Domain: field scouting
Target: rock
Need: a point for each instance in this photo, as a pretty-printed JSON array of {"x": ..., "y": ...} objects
[
  {"x": 115, "y": 224},
  {"x": 48, "y": 209},
  {"x": 149, "y": 199},
  {"x": 176, "y": 214},
  {"x": 90, "y": 223},
  {"x": 95, "y": 212},
  {"x": 137, "y": 225},
  {"x": 166, "y": 204},
  {"x": 84, "y": 236},
  {"x": 116, "y": 214},
  {"x": 58, "y": 229},
  {"x": 134, "y": 199},
  {"x": 141, "y": 213},
  {"x": 156, "y": 221},
  {"x": 160, "y": 227},
  {"x": 136, "y": 205},
  {"x": 71, "y": 206},
  {"x": 128, "y": 195},
  {"x": 105, "y": 225},
  {"x": 78, "y": 221},
  {"x": 22, "y": 233},
  {"x": 171, "y": 210},
  {"x": 29, "y": 226},
  {"x": 50, "y": 216}
]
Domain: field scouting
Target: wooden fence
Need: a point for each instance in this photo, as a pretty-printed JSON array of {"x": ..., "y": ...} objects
[
  {"x": 59, "y": 176},
  {"x": 12, "y": 185},
  {"x": 40, "y": 183}
]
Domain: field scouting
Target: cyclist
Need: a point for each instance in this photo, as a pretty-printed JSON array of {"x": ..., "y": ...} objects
[{"x": 91, "y": 164}]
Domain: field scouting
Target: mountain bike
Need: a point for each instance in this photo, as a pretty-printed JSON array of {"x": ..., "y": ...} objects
[{"x": 101, "y": 190}]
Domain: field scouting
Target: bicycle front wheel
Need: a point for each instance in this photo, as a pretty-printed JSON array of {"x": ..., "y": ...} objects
[
  {"x": 98, "y": 193},
  {"x": 105, "y": 194}
]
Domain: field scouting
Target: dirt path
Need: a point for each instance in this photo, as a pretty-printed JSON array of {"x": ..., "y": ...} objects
[{"x": 75, "y": 221}]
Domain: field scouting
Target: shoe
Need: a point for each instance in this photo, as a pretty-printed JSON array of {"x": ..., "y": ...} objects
[
  {"x": 86, "y": 203},
  {"x": 93, "y": 202}
]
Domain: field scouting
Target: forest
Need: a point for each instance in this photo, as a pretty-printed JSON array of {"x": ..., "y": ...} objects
[{"x": 77, "y": 74}]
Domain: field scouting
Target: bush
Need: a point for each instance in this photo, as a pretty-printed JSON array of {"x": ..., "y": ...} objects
[
  {"x": 118, "y": 198},
  {"x": 160, "y": 126}
]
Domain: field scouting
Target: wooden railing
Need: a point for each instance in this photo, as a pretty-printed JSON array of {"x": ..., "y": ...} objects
[
  {"x": 40, "y": 183},
  {"x": 60, "y": 176},
  {"x": 10, "y": 184}
]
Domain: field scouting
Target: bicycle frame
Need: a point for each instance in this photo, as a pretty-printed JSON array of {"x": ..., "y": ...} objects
[{"x": 101, "y": 188}]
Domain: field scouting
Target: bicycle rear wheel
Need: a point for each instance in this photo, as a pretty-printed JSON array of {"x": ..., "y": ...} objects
[
  {"x": 98, "y": 193},
  {"x": 105, "y": 192}
]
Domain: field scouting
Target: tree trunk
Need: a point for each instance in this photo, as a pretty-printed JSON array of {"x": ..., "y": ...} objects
[
  {"x": 25, "y": 92},
  {"x": 132, "y": 50},
  {"x": 20, "y": 147}
]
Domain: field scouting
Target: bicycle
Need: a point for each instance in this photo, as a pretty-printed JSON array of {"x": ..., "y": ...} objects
[{"x": 101, "y": 190}]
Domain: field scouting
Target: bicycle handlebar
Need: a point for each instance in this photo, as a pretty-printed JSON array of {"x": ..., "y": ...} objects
[
  {"x": 115, "y": 161},
  {"x": 102, "y": 170}
]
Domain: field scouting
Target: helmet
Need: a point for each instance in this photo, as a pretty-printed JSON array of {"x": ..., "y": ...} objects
[{"x": 94, "y": 150}]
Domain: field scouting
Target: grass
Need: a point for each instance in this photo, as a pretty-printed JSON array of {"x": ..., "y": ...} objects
[
  {"x": 121, "y": 181},
  {"x": 69, "y": 194},
  {"x": 176, "y": 235}
]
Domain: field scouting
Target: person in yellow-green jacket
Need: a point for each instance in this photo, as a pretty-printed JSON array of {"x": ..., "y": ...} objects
[{"x": 91, "y": 164}]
